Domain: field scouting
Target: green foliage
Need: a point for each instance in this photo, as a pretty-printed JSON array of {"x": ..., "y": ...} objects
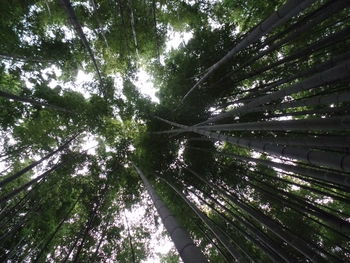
[{"x": 112, "y": 124}]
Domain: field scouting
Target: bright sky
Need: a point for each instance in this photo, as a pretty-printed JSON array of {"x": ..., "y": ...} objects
[
  {"x": 144, "y": 81},
  {"x": 159, "y": 244}
]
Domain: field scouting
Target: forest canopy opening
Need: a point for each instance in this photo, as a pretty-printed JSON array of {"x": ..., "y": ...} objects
[{"x": 174, "y": 131}]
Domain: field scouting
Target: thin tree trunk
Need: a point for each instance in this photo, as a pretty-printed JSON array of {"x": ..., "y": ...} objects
[
  {"x": 275, "y": 227},
  {"x": 9, "y": 255},
  {"x": 132, "y": 20},
  {"x": 219, "y": 249},
  {"x": 24, "y": 58},
  {"x": 155, "y": 28},
  {"x": 66, "y": 4},
  {"x": 296, "y": 203},
  {"x": 290, "y": 9},
  {"x": 319, "y": 158},
  {"x": 188, "y": 251},
  {"x": 65, "y": 218},
  {"x": 340, "y": 36},
  {"x": 16, "y": 191},
  {"x": 331, "y": 9},
  {"x": 309, "y": 188},
  {"x": 89, "y": 224},
  {"x": 234, "y": 252},
  {"x": 76, "y": 240},
  {"x": 133, "y": 258},
  {"x": 266, "y": 244},
  {"x": 10, "y": 212},
  {"x": 86, "y": 232},
  {"x": 341, "y": 123},
  {"x": 259, "y": 90},
  {"x": 296, "y": 25},
  {"x": 334, "y": 98},
  {"x": 34, "y": 164},
  {"x": 338, "y": 72},
  {"x": 103, "y": 235},
  {"x": 92, "y": 2}
]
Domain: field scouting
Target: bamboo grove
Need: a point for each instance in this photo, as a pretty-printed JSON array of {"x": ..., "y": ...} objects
[{"x": 244, "y": 159}]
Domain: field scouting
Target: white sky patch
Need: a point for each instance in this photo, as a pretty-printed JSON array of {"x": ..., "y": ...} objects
[
  {"x": 145, "y": 85},
  {"x": 175, "y": 38},
  {"x": 159, "y": 244},
  {"x": 81, "y": 79},
  {"x": 213, "y": 24},
  {"x": 144, "y": 80},
  {"x": 89, "y": 144},
  {"x": 77, "y": 85}
]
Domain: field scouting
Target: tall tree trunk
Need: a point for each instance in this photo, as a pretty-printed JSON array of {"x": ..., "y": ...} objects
[
  {"x": 290, "y": 9},
  {"x": 302, "y": 206},
  {"x": 132, "y": 21},
  {"x": 154, "y": 9},
  {"x": 34, "y": 164},
  {"x": 256, "y": 236},
  {"x": 234, "y": 252},
  {"x": 16, "y": 191},
  {"x": 338, "y": 72},
  {"x": 24, "y": 58},
  {"x": 224, "y": 255},
  {"x": 334, "y": 98},
  {"x": 52, "y": 236},
  {"x": 66, "y": 4},
  {"x": 89, "y": 224},
  {"x": 133, "y": 258},
  {"x": 332, "y": 9},
  {"x": 188, "y": 251},
  {"x": 341, "y": 123},
  {"x": 303, "y": 186},
  {"x": 103, "y": 235},
  {"x": 261, "y": 89},
  {"x": 330, "y": 40},
  {"x": 319, "y": 158},
  {"x": 293, "y": 240}
]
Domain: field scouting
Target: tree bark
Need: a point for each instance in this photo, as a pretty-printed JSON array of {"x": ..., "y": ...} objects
[
  {"x": 335, "y": 161},
  {"x": 26, "y": 185},
  {"x": 234, "y": 252},
  {"x": 338, "y": 72},
  {"x": 188, "y": 251},
  {"x": 66, "y": 4},
  {"x": 275, "y": 227},
  {"x": 34, "y": 164},
  {"x": 290, "y": 9}
]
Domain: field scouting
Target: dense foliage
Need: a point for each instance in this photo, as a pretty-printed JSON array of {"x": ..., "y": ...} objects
[{"x": 248, "y": 146}]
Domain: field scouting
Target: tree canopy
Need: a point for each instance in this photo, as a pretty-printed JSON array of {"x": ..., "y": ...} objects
[{"x": 243, "y": 155}]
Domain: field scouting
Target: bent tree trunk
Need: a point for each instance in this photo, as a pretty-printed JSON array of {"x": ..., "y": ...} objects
[{"x": 188, "y": 251}]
